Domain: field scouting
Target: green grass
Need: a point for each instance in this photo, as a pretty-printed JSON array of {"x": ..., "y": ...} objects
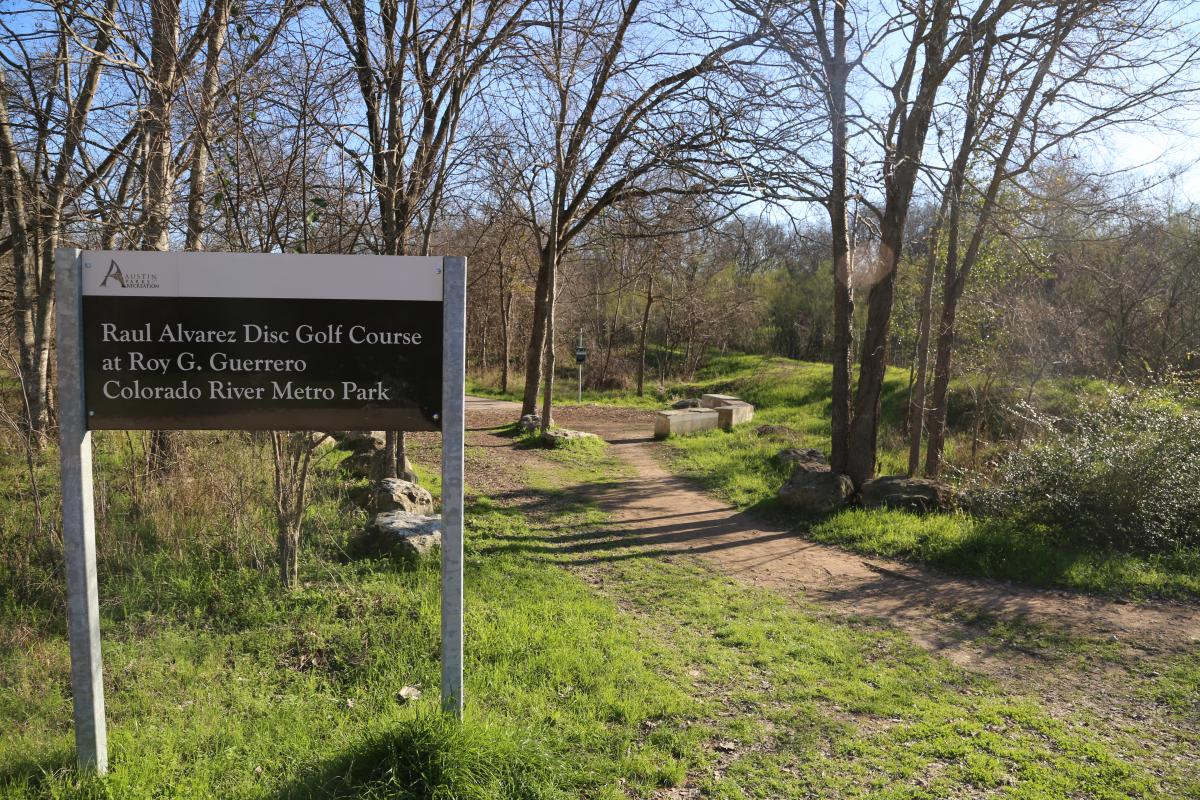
[
  {"x": 796, "y": 703},
  {"x": 595, "y": 673},
  {"x": 1177, "y": 686},
  {"x": 296, "y": 696},
  {"x": 993, "y": 548}
]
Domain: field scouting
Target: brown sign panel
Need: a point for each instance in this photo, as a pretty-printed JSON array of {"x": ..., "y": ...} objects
[{"x": 157, "y": 356}]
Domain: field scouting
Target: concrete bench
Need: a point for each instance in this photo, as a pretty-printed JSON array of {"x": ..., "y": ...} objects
[
  {"x": 733, "y": 413},
  {"x": 717, "y": 400},
  {"x": 684, "y": 421}
]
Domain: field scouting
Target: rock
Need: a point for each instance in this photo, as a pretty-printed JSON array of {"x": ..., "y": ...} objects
[
  {"x": 910, "y": 494},
  {"x": 322, "y": 441},
  {"x": 816, "y": 491},
  {"x": 406, "y": 535},
  {"x": 394, "y": 494},
  {"x": 558, "y": 436},
  {"x": 689, "y": 402},
  {"x": 813, "y": 488},
  {"x": 776, "y": 431},
  {"x": 361, "y": 441},
  {"x": 369, "y": 464},
  {"x": 795, "y": 457},
  {"x": 530, "y": 422},
  {"x": 361, "y": 465}
]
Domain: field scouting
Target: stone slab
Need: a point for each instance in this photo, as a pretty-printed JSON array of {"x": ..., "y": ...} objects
[
  {"x": 716, "y": 400},
  {"x": 684, "y": 421},
  {"x": 733, "y": 414}
]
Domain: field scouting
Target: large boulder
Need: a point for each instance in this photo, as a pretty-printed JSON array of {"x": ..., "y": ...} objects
[
  {"x": 813, "y": 487},
  {"x": 366, "y": 455},
  {"x": 909, "y": 494},
  {"x": 556, "y": 437},
  {"x": 395, "y": 494},
  {"x": 361, "y": 441},
  {"x": 403, "y": 535},
  {"x": 815, "y": 492},
  {"x": 530, "y": 423}
]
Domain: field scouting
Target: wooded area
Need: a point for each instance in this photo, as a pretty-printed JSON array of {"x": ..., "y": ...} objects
[{"x": 668, "y": 179}]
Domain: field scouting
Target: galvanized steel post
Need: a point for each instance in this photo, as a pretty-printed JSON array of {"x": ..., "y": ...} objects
[
  {"x": 454, "y": 305},
  {"x": 79, "y": 521}
]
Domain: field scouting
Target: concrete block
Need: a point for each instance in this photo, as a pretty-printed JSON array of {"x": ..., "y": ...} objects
[
  {"x": 716, "y": 400},
  {"x": 734, "y": 413},
  {"x": 684, "y": 421}
]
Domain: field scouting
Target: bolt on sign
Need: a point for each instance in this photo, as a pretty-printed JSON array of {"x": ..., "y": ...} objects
[{"x": 252, "y": 341}]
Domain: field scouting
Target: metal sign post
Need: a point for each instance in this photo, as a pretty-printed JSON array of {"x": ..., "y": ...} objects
[
  {"x": 251, "y": 341},
  {"x": 454, "y": 354},
  {"x": 580, "y": 357},
  {"x": 79, "y": 520}
]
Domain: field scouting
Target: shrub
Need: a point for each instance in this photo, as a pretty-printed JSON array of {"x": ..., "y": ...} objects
[{"x": 1123, "y": 475}]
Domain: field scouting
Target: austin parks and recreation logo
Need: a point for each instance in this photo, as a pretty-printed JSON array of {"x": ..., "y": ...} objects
[{"x": 129, "y": 280}]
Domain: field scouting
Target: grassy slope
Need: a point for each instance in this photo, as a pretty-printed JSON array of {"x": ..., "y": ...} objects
[
  {"x": 600, "y": 681},
  {"x": 740, "y": 467}
]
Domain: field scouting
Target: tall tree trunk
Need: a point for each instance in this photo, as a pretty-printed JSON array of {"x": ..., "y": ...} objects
[
  {"x": 548, "y": 369},
  {"x": 159, "y": 166},
  {"x": 941, "y": 377},
  {"x": 35, "y": 218},
  {"x": 208, "y": 93},
  {"x": 24, "y": 258},
  {"x": 916, "y": 404},
  {"x": 506, "y": 298},
  {"x": 864, "y": 427},
  {"x": 160, "y": 178},
  {"x": 537, "y": 339},
  {"x": 641, "y": 372},
  {"x": 843, "y": 292},
  {"x": 900, "y": 170}
]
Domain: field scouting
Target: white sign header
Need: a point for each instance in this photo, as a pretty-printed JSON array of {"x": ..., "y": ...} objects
[{"x": 261, "y": 275}]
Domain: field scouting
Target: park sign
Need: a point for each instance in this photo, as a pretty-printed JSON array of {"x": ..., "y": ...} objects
[
  {"x": 251, "y": 341},
  {"x": 256, "y": 341}
]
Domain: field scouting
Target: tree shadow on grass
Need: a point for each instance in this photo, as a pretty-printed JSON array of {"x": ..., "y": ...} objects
[
  {"x": 429, "y": 756},
  {"x": 33, "y": 774}
]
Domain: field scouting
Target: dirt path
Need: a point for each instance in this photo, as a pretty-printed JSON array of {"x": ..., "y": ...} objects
[{"x": 660, "y": 513}]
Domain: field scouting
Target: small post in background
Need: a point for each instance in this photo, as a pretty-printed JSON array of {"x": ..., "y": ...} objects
[{"x": 580, "y": 357}]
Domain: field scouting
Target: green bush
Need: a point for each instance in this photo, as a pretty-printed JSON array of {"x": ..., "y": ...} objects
[{"x": 1124, "y": 475}]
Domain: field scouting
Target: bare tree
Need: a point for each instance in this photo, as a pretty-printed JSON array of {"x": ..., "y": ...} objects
[
  {"x": 42, "y": 130},
  {"x": 608, "y": 113},
  {"x": 1074, "y": 69},
  {"x": 416, "y": 66}
]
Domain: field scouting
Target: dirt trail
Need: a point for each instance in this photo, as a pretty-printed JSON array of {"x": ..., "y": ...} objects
[{"x": 664, "y": 514}]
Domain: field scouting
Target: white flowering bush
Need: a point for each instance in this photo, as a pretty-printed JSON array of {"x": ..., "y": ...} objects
[{"x": 1124, "y": 475}]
